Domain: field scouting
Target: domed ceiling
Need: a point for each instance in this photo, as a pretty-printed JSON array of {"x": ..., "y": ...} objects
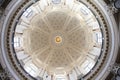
[{"x": 58, "y": 36}]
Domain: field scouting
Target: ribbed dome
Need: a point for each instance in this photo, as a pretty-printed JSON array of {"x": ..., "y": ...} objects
[{"x": 74, "y": 40}]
